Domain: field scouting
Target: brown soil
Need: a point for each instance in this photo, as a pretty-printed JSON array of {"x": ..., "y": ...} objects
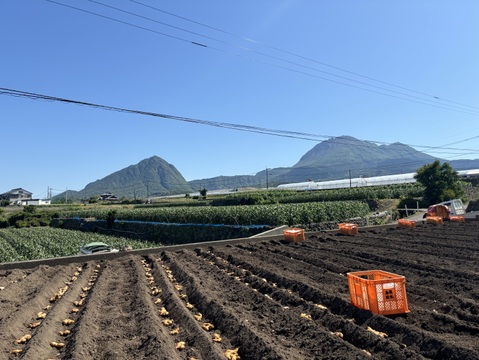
[{"x": 254, "y": 294}]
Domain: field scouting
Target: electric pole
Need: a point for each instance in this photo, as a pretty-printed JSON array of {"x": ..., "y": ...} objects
[{"x": 267, "y": 179}]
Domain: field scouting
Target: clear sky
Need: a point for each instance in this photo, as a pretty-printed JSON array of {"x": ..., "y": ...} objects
[{"x": 386, "y": 71}]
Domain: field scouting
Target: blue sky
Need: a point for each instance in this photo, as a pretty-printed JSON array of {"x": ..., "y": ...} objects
[{"x": 385, "y": 71}]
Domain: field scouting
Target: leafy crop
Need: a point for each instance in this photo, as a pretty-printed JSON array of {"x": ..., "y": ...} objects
[
  {"x": 275, "y": 214},
  {"x": 44, "y": 242},
  {"x": 293, "y": 196}
]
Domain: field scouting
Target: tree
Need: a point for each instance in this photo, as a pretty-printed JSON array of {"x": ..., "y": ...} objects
[
  {"x": 441, "y": 182},
  {"x": 203, "y": 192}
]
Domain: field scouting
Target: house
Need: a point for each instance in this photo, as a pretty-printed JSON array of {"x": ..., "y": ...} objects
[
  {"x": 108, "y": 197},
  {"x": 26, "y": 202},
  {"x": 16, "y": 196},
  {"x": 22, "y": 197}
]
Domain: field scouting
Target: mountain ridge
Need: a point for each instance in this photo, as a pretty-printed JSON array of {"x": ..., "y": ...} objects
[{"x": 335, "y": 158}]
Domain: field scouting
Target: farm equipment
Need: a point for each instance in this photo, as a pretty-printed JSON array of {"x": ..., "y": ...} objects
[{"x": 446, "y": 210}]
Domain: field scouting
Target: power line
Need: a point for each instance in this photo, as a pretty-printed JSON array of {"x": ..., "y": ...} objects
[
  {"x": 283, "y": 60},
  {"x": 239, "y": 127},
  {"x": 299, "y": 56},
  {"x": 412, "y": 98}
]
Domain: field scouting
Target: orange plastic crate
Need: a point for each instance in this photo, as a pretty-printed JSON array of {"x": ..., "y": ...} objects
[
  {"x": 348, "y": 229},
  {"x": 457, "y": 218},
  {"x": 378, "y": 291},
  {"x": 434, "y": 220},
  {"x": 294, "y": 235},
  {"x": 405, "y": 223}
]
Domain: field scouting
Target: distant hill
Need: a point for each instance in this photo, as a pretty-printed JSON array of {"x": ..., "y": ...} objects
[
  {"x": 332, "y": 159},
  {"x": 150, "y": 177},
  {"x": 336, "y": 158}
]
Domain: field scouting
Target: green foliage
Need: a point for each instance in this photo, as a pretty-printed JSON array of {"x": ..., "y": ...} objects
[
  {"x": 292, "y": 196},
  {"x": 21, "y": 223},
  {"x": 30, "y": 216},
  {"x": 29, "y": 209},
  {"x": 440, "y": 182},
  {"x": 4, "y": 202},
  {"x": 3, "y": 222},
  {"x": 110, "y": 218},
  {"x": 274, "y": 214},
  {"x": 45, "y": 242},
  {"x": 203, "y": 192}
]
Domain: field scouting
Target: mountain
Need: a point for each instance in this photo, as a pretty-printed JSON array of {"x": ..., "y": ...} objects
[
  {"x": 337, "y": 158},
  {"x": 150, "y": 177},
  {"x": 345, "y": 156}
]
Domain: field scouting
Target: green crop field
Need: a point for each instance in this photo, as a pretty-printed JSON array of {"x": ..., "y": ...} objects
[{"x": 45, "y": 242}]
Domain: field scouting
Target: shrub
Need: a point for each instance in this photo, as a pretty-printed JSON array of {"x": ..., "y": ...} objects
[{"x": 3, "y": 222}]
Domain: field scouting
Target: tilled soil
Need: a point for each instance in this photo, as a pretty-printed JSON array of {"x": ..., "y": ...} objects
[{"x": 263, "y": 300}]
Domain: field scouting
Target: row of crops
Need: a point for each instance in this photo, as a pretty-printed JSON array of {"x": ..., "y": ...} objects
[
  {"x": 45, "y": 242},
  {"x": 291, "y": 196},
  {"x": 277, "y": 214}
]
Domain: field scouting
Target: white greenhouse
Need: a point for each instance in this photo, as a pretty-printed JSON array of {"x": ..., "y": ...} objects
[{"x": 361, "y": 182}]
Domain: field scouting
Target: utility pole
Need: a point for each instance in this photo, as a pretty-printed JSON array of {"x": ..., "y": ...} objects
[
  {"x": 350, "y": 185},
  {"x": 267, "y": 179}
]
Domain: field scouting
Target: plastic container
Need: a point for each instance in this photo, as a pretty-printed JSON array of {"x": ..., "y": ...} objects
[
  {"x": 348, "y": 229},
  {"x": 434, "y": 220},
  {"x": 457, "y": 218},
  {"x": 378, "y": 291},
  {"x": 294, "y": 235},
  {"x": 405, "y": 223}
]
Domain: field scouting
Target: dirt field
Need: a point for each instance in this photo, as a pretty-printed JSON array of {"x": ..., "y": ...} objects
[{"x": 269, "y": 300}]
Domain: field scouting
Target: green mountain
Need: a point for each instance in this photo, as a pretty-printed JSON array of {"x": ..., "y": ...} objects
[
  {"x": 345, "y": 156},
  {"x": 336, "y": 158},
  {"x": 150, "y": 177}
]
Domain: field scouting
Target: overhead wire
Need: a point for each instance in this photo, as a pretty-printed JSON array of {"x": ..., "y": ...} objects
[
  {"x": 298, "y": 135},
  {"x": 280, "y": 59},
  {"x": 413, "y": 98},
  {"x": 311, "y": 172},
  {"x": 298, "y": 55},
  {"x": 240, "y": 127}
]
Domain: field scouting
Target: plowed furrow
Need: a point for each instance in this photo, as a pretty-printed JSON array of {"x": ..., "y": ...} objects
[
  {"x": 185, "y": 327},
  {"x": 346, "y": 329},
  {"x": 223, "y": 302},
  {"x": 19, "y": 311},
  {"x": 431, "y": 299},
  {"x": 306, "y": 252},
  {"x": 418, "y": 296},
  {"x": 432, "y": 245},
  {"x": 286, "y": 313},
  {"x": 120, "y": 300},
  {"x": 46, "y": 338},
  {"x": 431, "y": 249},
  {"x": 413, "y": 264},
  {"x": 401, "y": 334},
  {"x": 464, "y": 324},
  {"x": 311, "y": 268}
]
